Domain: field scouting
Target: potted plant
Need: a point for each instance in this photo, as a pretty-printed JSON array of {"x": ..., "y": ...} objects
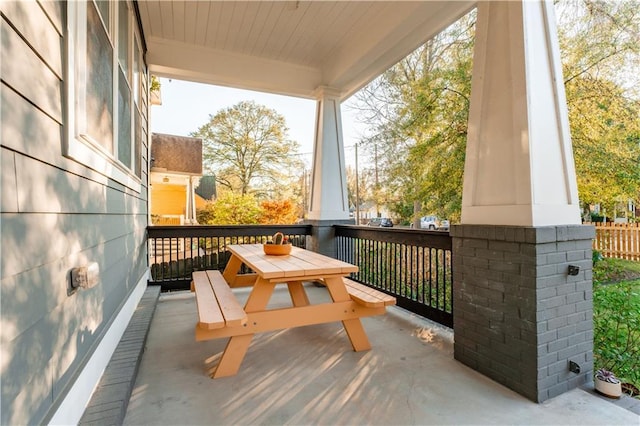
[
  {"x": 608, "y": 384},
  {"x": 154, "y": 91},
  {"x": 278, "y": 246}
]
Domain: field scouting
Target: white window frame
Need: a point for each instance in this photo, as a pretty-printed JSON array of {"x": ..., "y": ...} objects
[{"x": 79, "y": 146}]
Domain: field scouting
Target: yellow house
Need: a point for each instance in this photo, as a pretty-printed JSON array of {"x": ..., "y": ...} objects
[{"x": 175, "y": 173}]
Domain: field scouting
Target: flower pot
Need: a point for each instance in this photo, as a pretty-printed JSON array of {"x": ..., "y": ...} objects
[
  {"x": 611, "y": 390},
  {"x": 277, "y": 249}
]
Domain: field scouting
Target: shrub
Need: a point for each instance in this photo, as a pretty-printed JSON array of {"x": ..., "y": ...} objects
[
  {"x": 596, "y": 256},
  {"x": 616, "y": 327},
  {"x": 608, "y": 270},
  {"x": 230, "y": 209},
  {"x": 278, "y": 212}
]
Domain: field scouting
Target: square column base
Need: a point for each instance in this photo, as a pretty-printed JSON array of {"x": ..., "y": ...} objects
[
  {"x": 322, "y": 239},
  {"x": 519, "y": 317}
]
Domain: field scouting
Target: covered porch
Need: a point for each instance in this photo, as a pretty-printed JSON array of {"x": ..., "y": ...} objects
[
  {"x": 521, "y": 261},
  {"x": 519, "y": 317},
  {"x": 310, "y": 375}
]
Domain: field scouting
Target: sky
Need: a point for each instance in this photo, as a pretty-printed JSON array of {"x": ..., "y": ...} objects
[{"x": 186, "y": 106}]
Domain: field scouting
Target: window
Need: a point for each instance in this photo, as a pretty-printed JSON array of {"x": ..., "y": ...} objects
[{"x": 105, "y": 69}]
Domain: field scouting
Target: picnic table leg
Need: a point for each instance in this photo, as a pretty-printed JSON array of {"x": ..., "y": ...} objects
[
  {"x": 237, "y": 346},
  {"x": 260, "y": 295},
  {"x": 231, "y": 270},
  {"x": 232, "y": 356},
  {"x": 353, "y": 327},
  {"x": 297, "y": 293}
]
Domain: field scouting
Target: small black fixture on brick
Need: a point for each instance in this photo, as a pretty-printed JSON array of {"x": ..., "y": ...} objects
[
  {"x": 573, "y": 270},
  {"x": 574, "y": 367}
]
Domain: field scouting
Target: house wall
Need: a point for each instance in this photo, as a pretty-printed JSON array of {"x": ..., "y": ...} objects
[
  {"x": 201, "y": 202},
  {"x": 168, "y": 199},
  {"x": 56, "y": 214}
]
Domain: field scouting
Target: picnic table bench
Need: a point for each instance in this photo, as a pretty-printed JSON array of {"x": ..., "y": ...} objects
[{"x": 220, "y": 314}]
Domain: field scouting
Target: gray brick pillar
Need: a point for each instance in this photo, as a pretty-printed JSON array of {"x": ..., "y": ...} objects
[
  {"x": 519, "y": 317},
  {"x": 322, "y": 238}
]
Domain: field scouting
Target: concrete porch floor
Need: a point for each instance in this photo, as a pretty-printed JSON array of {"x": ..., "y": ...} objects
[{"x": 310, "y": 375}]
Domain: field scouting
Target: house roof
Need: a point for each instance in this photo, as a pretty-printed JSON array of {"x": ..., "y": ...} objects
[
  {"x": 288, "y": 47},
  {"x": 176, "y": 154}
]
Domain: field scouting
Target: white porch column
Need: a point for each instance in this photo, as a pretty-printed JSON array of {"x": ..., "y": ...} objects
[
  {"x": 190, "y": 210},
  {"x": 519, "y": 167},
  {"x": 521, "y": 259},
  {"x": 328, "y": 181}
]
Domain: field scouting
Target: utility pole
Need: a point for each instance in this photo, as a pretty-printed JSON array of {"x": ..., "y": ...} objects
[
  {"x": 375, "y": 158},
  {"x": 357, "y": 190},
  {"x": 304, "y": 192}
]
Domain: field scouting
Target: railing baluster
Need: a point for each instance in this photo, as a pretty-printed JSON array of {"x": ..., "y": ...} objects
[
  {"x": 413, "y": 265},
  {"x": 422, "y": 276},
  {"x": 176, "y": 251}
]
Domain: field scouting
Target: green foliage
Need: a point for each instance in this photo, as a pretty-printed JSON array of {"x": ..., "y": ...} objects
[
  {"x": 155, "y": 84},
  {"x": 596, "y": 256},
  {"x": 600, "y": 56},
  {"x": 609, "y": 270},
  {"x": 247, "y": 147},
  {"x": 402, "y": 210},
  {"x": 419, "y": 109},
  {"x": 384, "y": 265},
  {"x": 236, "y": 209},
  {"x": 204, "y": 215},
  {"x": 616, "y": 323},
  {"x": 231, "y": 209},
  {"x": 606, "y": 140}
]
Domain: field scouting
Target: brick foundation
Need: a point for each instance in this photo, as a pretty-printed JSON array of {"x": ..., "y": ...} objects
[
  {"x": 322, "y": 238},
  {"x": 519, "y": 318}
]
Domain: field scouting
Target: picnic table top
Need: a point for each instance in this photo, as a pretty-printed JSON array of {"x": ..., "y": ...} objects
[{"x": 299, "y": 263}]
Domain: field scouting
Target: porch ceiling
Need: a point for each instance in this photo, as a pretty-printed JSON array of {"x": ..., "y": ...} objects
[{"x": 288, "y": 47}]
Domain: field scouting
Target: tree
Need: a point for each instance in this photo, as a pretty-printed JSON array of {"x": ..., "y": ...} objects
[
  {"x": 231, "y": 209},
  {"x": 419, "y": 110},
  {"x": 278, "y": 212},
  {"x": 365, "y": 185},
  {"x": 246, "y": 146},
  {"x": 605, "y": 130},
  {"x": 600, "y": 44}
]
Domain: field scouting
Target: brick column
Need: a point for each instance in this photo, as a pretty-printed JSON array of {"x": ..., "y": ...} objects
[
  {"x": 322, "y": 238},
  {"x": 519, "y": 317}
]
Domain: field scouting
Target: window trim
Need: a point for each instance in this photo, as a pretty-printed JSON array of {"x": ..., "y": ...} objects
[{"x": 79, "y": 146}]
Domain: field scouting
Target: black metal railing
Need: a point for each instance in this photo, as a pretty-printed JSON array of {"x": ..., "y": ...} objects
[
  {"x": 412, "y": 265},
  {"x": 176, "y": 251}
]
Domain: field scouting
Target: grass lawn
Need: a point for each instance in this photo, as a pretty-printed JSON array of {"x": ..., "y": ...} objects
[
  {"x": 616, "y": 318},
  {"x": 607, "y": 270}
]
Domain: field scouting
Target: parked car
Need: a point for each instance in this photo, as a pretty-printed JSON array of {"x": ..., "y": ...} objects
[
  {"x": 384, "y": 222},
  {"x": 433, "y": 222},
  {"x": 429, "y": 222}
]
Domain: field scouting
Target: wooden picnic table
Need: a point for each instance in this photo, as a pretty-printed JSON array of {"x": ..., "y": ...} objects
[{"x": 221, "y": 315}]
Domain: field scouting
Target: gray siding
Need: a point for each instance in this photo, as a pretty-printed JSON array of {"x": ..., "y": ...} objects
[{"x": 56, "y": 214}]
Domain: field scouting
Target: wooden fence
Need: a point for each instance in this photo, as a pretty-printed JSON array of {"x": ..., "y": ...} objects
[{"x": 618, "y": 240}]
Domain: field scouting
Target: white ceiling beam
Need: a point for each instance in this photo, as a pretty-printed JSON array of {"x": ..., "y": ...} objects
[{"x": 194, "y": 63}]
